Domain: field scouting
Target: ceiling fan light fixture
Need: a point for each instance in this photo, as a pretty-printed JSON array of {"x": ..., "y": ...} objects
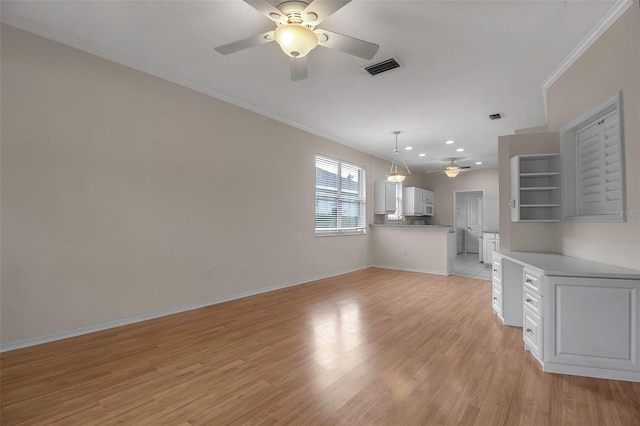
[
  {"x": 394, "y": 174},
  {"x": 295, "y": 40},
  {"x": 452, "y": 171}
]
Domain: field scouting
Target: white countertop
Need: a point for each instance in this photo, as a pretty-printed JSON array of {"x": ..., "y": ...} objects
[
  {"x": 422, "y": 227},
  {"x": 559, "y": 265}
]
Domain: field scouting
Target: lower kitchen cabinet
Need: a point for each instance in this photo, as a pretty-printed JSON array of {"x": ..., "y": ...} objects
[
  {"x": 578, "y": 317},
  {"x": 460, "y": 240}
]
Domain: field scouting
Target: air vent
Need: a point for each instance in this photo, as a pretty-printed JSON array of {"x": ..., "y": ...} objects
[
  {"x": 496, "y": 116},
  {"x": 381, "y": 67}
]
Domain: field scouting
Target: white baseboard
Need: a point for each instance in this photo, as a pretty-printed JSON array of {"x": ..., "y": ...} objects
[
  {"x": 421, "y": 270},
  {"x": 598, "y": 373},
  {"x": 33, "y": 341}
]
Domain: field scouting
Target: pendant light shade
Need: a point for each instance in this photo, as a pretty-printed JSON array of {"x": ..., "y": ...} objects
[
  {"x": 295, "y": 40},
  {"x": 452, "y": 171},
  {"x": 394, "y": 174}
]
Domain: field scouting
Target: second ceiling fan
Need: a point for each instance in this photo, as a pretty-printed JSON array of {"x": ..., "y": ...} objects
[{"x": 297, "y": 34}]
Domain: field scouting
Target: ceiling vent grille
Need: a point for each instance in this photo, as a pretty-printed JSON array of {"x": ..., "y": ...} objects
[
  {"x": 496, "y": 116},
  {"x": 380, "y": 67}
]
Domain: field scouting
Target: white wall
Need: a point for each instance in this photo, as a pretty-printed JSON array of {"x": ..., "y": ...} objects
[{"x": 120, "y": 189}]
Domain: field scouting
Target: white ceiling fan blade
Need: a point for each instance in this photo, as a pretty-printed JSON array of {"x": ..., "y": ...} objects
[
  {"x": 320, "y": 10},
  {"x": 267, "y": 9},
  {"x": 298, "y": 68},
  {"x": 246, "y": 43},
  {"x": 346, "y": 44}
]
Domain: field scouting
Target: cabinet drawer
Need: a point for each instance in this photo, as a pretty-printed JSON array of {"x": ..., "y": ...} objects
[
  {"x": 497, "y": 300},
  {"x": 496, "y": 269},
  {"x": 532, "y": 300},
  {"x": 532, "y": 282},
  {"x": 532, "y": 332}
]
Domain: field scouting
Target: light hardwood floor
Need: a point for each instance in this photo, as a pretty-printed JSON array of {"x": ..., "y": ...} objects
[{"x": 371, "y": 347}]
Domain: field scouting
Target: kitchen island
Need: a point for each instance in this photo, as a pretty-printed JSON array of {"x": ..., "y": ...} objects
[{"x": 417, "y": 248}]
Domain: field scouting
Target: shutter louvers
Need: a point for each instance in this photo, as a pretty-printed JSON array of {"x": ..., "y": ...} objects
[
  {"x": 612, "y": 164},
  {"x": 599, "y": 166}
]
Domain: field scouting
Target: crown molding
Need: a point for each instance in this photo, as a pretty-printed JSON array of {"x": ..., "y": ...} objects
[{"x": 603, "y": 25}]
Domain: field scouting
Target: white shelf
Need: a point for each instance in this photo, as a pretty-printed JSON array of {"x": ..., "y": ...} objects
[
  {"x": 540, "y": 174},
  {"x": 535, "y": 188},
  {"x": 539, "y": 188}
]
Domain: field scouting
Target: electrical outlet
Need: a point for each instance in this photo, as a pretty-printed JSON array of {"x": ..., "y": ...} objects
[
  {"x": 210, "y": 271},
  {"x": 404, "y": 251},
  {"x": 243, "y": 267}
]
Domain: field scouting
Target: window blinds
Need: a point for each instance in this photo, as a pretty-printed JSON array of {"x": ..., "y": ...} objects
[{"x": 340, "y": 197}]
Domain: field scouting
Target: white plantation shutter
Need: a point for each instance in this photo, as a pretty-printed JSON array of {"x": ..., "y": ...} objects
[
  {"x": 340, "y": 197},
  {"x": 599, "y": 171}
]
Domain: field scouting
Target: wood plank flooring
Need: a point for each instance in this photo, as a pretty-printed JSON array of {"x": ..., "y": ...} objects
[{"x": 371, "y": 347}]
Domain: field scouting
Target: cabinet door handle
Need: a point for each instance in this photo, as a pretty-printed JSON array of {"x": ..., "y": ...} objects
[
  {"x": 528, "y": 300},
  {"x": 529, "y": 330}
]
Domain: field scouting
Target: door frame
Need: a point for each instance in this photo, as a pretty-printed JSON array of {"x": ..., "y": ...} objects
[{"x": 479, "y": 192}]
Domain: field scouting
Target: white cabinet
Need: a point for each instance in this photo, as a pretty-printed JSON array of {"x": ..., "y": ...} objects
[
  {"x": 459, "y": 240},
  {"x": 592, "y": 326},
  {"x": 535, "y": 188},
  {"x": 496, "y": 291},
  {"x": 428, "y": 196},
  {"x": 412, "y": 201},
  {"x": 491, "y": 243},
  {"x": 384, "y": 197},
  {"x": 532, "y": 308},
  {"x": 417, "y": 201},
  {"x": 507, "y": 279},
  {"x": 578, "y": 317}
]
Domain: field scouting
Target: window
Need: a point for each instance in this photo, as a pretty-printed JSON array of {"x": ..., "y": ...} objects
[
  {"x": 592, "y": 162},
  {"x": 340, "y": 197},
  {"x": 397, "y": 215}
]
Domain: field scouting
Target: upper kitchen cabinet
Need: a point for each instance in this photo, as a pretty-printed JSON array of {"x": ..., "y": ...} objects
[
  {"x": 535, "y": 188},
  {"x": 428, "y": 196},
  {"x": 384, "y": 197},
  {"x": 417, "y": 202}
]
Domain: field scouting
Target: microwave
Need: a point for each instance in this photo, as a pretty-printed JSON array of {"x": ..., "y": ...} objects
[{"x": 428, "y": 209}]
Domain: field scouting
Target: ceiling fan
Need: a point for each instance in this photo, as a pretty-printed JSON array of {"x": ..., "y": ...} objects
[
  {"x": 297, "y": 34},
  {"x": 453, "y": 169}
]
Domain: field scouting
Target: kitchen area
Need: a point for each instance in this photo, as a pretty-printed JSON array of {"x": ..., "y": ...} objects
[{"x": 408, "y": 235}]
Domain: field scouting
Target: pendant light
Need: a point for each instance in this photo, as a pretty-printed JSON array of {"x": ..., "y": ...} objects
[
  {"x": 452, "y": 171},
  {"x": 394, "y": 174}
]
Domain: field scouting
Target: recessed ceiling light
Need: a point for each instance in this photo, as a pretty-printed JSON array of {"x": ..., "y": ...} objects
[
  {"x": 449, "y": 142},
  {"x": 478, "y": 162},
  {"x": 422, "y": 155},
  {"x": 408, "y": 148},
  {"x": 460, "y": 149}
]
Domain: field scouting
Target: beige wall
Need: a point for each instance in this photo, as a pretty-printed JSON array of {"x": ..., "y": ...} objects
[
  {"x": 443, "y": 188},
  {"x": 120, "y": 189},
  {"x": 611, "y": 64},
  {"x": 537, "y": 237},
  {"x": 411, "y": 249}
]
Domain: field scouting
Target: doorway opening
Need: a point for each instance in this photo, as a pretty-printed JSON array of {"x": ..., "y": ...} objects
[{"x": 468, "y": 224}]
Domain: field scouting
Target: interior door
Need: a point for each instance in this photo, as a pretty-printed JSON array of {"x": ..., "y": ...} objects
[{"x": 474, "y": 223}]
